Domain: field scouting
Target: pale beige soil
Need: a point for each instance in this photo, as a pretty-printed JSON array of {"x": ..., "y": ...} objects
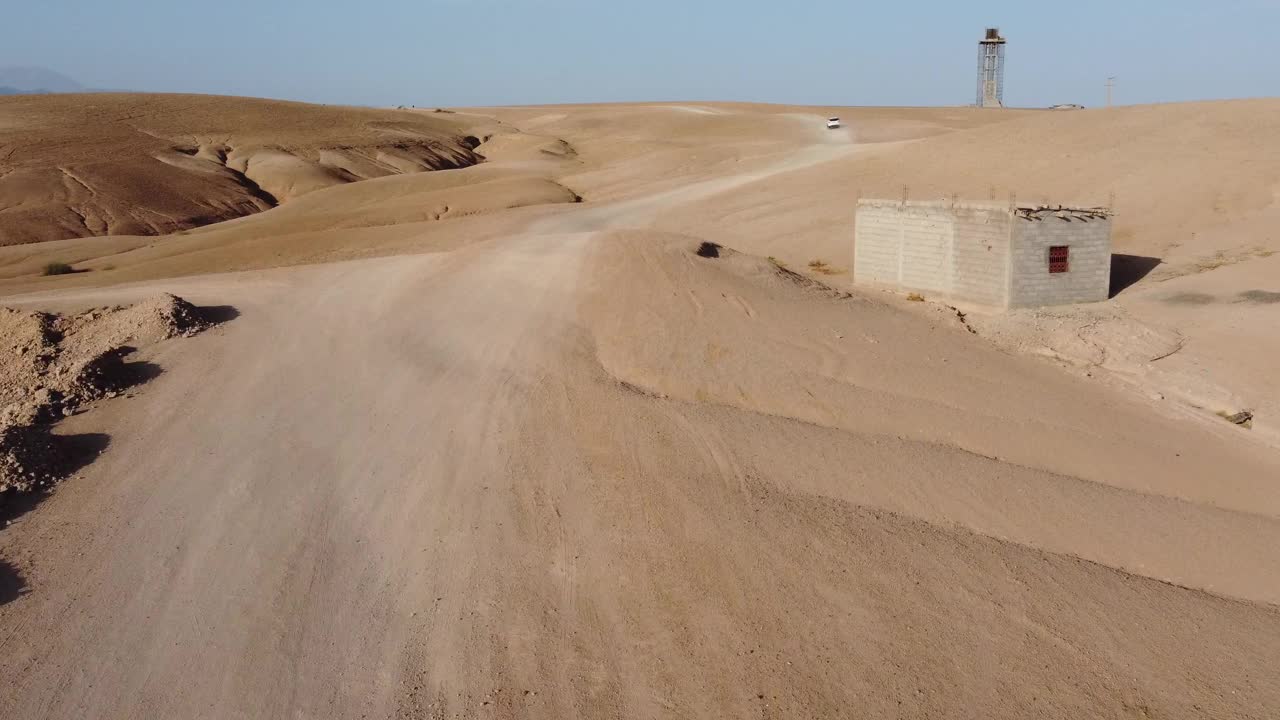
[{"x": 557, "y": 459}]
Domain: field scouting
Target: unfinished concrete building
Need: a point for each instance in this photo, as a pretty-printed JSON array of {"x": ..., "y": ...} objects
[{"x": 998, "y": 256}]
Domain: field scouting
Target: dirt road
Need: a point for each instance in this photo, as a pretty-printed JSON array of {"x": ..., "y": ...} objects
[{"x": 446, "y": 486}]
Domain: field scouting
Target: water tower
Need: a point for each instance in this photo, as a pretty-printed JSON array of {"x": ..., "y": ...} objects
[{"x": 991, "y": 69}]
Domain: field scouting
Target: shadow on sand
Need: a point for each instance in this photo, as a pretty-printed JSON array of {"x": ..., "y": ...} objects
[
  {"x": 131, "y": 374},
  {"x": 11, "y": 583},
  {"x": 217, "y": 314},
  {"x": 14, "y": 505},
  {"x": 68, "y": 454},
  {"x": 1126, "y": 270}
]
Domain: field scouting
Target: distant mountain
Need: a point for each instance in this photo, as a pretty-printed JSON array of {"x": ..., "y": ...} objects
[
  {"x": 18, "y": 80},
  {"x": 6, "y": 90}
]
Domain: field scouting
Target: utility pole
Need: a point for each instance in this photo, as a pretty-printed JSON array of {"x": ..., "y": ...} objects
[{"x": 1111, "y": 84}]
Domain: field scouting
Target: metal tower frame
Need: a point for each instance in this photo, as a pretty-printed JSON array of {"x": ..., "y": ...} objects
[{"x": 991, "y": 69}]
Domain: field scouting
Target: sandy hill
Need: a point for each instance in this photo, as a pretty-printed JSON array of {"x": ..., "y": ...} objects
[
  {"x": 114, "y": 164},
  {"x": 1195, "y": 185},
  {"x": 532, "y": 156},
  {"x": 1197, "y": 191},
  {"x": 553, "y": 435}
]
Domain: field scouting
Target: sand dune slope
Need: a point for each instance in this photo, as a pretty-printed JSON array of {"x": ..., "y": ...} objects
[{"x": 1197, "y": 237}]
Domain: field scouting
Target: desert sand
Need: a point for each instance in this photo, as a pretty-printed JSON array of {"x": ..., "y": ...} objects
[{"x": 575, "y": 429}]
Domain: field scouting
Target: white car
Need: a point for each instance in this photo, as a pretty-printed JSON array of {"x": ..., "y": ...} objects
[{"x": 833, "y": 123}]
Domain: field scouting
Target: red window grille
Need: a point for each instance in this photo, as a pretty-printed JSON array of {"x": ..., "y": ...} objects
[{"x": 1059, "y": 259}]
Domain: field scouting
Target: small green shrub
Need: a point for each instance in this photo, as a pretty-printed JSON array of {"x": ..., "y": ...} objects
[{"x": 58, "y": 268}]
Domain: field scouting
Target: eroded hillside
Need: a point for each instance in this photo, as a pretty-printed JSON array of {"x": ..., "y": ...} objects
[{"x": 129, "y": 164}]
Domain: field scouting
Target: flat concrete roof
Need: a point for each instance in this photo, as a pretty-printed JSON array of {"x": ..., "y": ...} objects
[{"x": 1024, "y": 210}]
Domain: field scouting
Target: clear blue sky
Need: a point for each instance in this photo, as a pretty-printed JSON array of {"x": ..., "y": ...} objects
[{"x": 460, "y": 52}]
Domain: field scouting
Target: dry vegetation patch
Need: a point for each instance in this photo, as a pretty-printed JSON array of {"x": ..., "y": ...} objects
[{"x": 824, "y": 268}]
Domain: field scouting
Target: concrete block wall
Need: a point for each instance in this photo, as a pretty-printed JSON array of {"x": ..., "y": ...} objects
[
  {"x": 988, "y": 255},
  {"x": 1088, "y": 278},
  {"x": 877, "y": 248},
  {"x": 924, "y": 252},
  {"x": 944, "y": 251},
  {"x": 980, "y": 255}
]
